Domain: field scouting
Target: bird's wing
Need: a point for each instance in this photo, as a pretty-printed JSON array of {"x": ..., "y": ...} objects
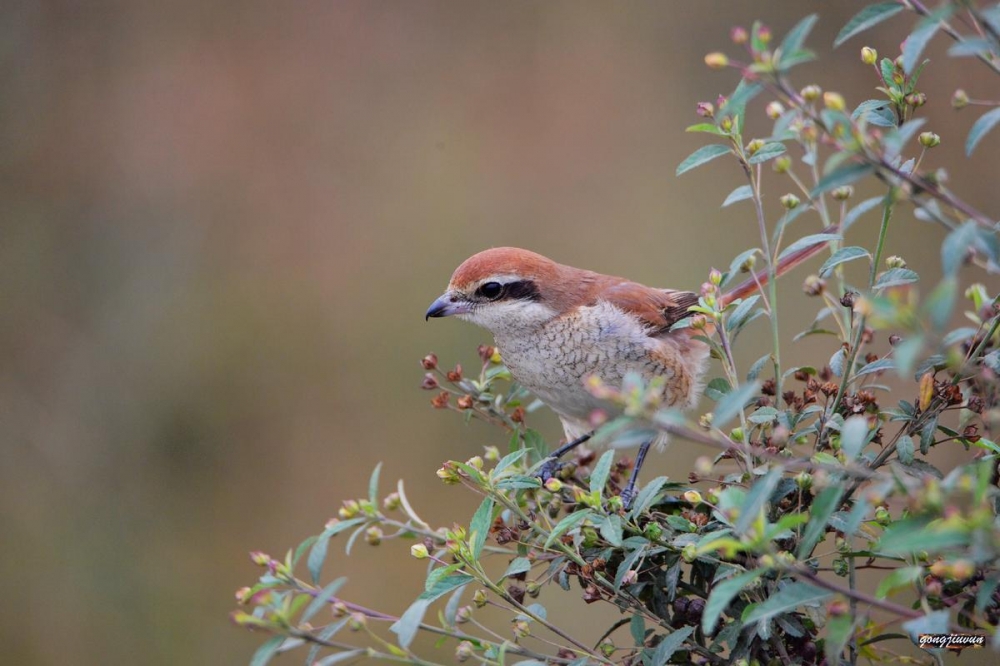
[{"x": 659, "y": 309}]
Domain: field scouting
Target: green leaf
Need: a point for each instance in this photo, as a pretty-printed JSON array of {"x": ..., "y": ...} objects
[
  {"x": 704, "y": 127},
  {"x": 970, "y": 47},
  {"x": 317, "y": 556},
  {"x": 914, "y": 45},
  {"x": 717, "y": 389},
  {"x": 895, "y": 277},
  {"x": 637, "y": 627},
  {"x": 338, "y": 657},
  {"x": 722, "y": 594},
  {"x": 868, "y": 17},
  {"x": 599, "y": 477},
  {"x": 408, "y": 624},
  {"x": 880, "y": 365},
  {"x": 443, "y": 585},
  {"x": 878, "y": 112},
  {"x": 738, "y": 261},
  {"x": 796, "y": 37},
  {"x": 611, "y": 529},
  {"x": 956, "y": 246},
  {"x": 842, "y": 256},
  {"x": 702, "y": 155},
  {"x": 935, "y": 622},
  {"x": 322, "y": 598},
  {"x": 737, "y": 102},
  {"x": 757, "y": 367},
  {"x": 906, "y": 537},
  {"x": 373, "y": 485},
  {"x": 859, "y": 210},
  {"x": 941, "y": 302},
  {"x": 646, "y": 496},
  {"x": 517, "y": 565},
  {"x": 739, "y": 315},
  {"x": 767, "y": 152},
  {"x": 482, "y": 520},
  {"x": 838, "y": 632},
  {"x": 785, "y": 600},
  {"x": 902, "y": 577},
  {"x": 266, "y": 652},
  {"x": 566, "y": 524},
  {"x": 807, "y": 242},
  {"x": 739, "y": 194},
  {"x": 757, "y": 497},
  {"x": 822, "y": 508},
  {"x": 670, "y": 643},
  {"x": 844, "y": 175},
  {"x": 854, "y": 436},
  {"x": 731, "y": 404}
]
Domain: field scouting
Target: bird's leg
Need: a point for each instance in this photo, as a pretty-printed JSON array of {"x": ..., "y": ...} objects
[
  {"x": 551, "y": 466},
  {"x": 628, "y": 494}
]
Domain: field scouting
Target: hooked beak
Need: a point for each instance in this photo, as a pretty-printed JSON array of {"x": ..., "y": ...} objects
[{"x": 446, "y": 305}]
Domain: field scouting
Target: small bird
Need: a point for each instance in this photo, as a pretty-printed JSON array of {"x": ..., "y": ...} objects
[{"x": 556, "y": 326}]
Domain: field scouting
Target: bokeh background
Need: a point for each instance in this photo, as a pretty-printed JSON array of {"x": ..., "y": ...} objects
[{"x": 222, "y": 223}]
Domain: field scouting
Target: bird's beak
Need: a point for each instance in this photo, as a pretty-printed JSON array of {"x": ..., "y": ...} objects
[{"x": 446, "y": 305}]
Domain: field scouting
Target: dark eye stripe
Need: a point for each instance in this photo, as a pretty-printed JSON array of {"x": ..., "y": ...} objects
[{"x": 525, "y": 290}]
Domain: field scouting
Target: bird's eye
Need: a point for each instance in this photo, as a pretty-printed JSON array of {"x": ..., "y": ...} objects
[{"x": 491, "y": 290}]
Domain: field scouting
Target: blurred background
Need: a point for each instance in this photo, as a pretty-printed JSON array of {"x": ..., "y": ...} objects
[{"x": 222, "y": 223}]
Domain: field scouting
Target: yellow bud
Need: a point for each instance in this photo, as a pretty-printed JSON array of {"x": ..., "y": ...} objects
[
  {"x": 869, "y": 56},
  {"x": 834, "y": 101},
  {"x": 716, "y": 60},
  {"x": 419, "y": 551}
]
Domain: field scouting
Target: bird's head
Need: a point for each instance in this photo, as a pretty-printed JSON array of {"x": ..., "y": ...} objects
[{"x": 503, "y": 288}]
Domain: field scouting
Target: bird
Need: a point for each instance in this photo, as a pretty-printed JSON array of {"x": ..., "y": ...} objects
[{"x": 556, "y": 326}]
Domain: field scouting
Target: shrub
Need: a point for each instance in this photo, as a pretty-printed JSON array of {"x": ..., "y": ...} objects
[{"x": 820, "y": 470}]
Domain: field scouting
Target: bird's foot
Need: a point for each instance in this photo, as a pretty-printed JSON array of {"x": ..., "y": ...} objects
[
  {"x": 549, "y": 469},
  {"x": 628, "y": 496}
]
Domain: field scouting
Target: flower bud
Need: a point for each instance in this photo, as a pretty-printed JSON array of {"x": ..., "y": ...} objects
[
  {"x": 373, "y": 535},
  {"x": 350, "y": 509},
  {"x": 716, "y": 60},
  {"x": 834, "y": 101},
  {"x": 522, "y": 629},
  {"x": 243, "y": 595},
  {"x": 455, "y": 374},
  {"x": 916, "y": 100},
  {"x": 430, "y": 382},
  {"x": 764, "y": 34},
  {"x": 726, "y": 124},
  {"x": 357, "y": 622},
  {"x": 705, "y": 109},
  {"x": 699, "y": 322},
  {"x": 464, "y": 651},
  {"x": 715, "y": 277},
  {"x": 843, "y": 193},
  {"x": 804, "y": 480},
  {"x": 736, "y": 434},
  {"x": 782, "y": 164},
  {"x": 419, "y": 551},
  {"x": 813, "y": 285},
  {"x": 491, "y": 453},
  {"x": 440, "y": 401},
  {"x": 475, "y": 462},
  {"x": 739, "y": 35},
  {"x": 811, "y": 92},
  {"x": 464, "y": 402},
  {"x": 895, "y": 262},
  {"x": 260, "y": 559},
  {"x": 929, "y": 139},
  {"x": 705, "y": 420},
  {"x": 448, "y": 474},
  {"x": 553, "y": 485},
  {"x": 429, "y": 362},
  {"x": 652, "y": 531},
  {"x": 690, "y": 553},
  {"x": 754, "y": 146},
  {"x": 480, "y": 598},
  {"x": 774, "y": 110},
  {"x": 790, "y": 201},
  {"x": 869, "y": 56},
  {"x": 959, "y": 99},
  {"x": 463, "y": 615},
  {"x": 693, "y": 496}
]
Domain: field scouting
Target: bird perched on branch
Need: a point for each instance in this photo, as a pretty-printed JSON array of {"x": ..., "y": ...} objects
[{"x": 557, "y": 325}]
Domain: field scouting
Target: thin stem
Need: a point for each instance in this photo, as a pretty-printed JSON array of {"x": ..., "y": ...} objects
[{"x": 772, "y": 280}]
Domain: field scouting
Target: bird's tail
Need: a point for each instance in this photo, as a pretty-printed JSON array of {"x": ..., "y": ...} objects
[{"x": 760, "y": 279}]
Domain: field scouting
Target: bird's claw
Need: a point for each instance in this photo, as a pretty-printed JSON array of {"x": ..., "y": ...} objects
[
  {"x": 628, "y": 496},
  {"x": 548, "y": 469}
]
